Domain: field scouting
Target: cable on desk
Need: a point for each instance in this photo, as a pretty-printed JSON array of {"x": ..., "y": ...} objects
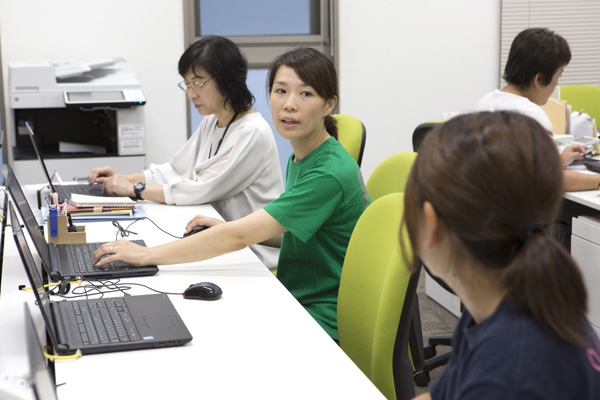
[
  {"x": 92, "y": 288},
  {"x": 124, "y": 232},
  {"x": 101, "y": 287},
  {"x": 125, "y": 286}
]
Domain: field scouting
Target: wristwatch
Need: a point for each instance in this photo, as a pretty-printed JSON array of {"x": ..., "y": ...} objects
[{"x": 138, "y": 187}]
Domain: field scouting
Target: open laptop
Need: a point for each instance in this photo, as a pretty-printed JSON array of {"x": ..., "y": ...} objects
[
  {"x": 592, "y": 163},
  {"x": 69, "y": 261},
  {"x": 63, "y": 190},
  {"x": 3, "y": 218},
  {"x": 107, "y": 324},
  {"x": 41, "y": 378}
]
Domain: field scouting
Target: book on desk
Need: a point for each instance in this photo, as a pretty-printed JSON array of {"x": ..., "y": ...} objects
[{"x": 94, "y": 208}]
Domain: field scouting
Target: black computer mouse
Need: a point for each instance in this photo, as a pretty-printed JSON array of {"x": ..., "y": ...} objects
[
  {"x": 203, "y": 291},
  {"x": 196, "y": 229}
]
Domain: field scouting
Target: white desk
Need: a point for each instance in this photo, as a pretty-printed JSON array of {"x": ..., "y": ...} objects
[
  {"x": 587, "y": 198},
  {"x": 254, "y": 342}
]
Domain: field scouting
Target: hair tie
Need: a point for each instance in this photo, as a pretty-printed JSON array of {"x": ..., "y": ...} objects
[{"x": 529, "y": 230}]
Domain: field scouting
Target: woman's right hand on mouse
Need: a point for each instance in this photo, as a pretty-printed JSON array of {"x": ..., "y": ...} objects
[{"x": 202, "y": 220}]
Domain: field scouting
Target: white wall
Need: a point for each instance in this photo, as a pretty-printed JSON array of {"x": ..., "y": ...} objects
[
  {"x": 401, "y": 62},
  {"x": 147, "y": 33},
  {"x": 405, "y": 62}
]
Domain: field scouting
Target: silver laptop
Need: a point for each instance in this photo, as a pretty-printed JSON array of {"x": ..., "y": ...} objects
[
  {"x": 106, "y": 324},
  {"x": 69, "y": 261}
]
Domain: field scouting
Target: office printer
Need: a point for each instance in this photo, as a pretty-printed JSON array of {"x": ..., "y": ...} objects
[{"x": 78, "y": 110}]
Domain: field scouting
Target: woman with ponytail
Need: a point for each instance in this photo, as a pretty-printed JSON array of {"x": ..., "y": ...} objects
[{"x": 480, "y": 202}]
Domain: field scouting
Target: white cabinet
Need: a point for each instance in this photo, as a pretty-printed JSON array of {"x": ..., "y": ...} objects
[
  {"x": 585, "y": 249},
  {"x": 437, "y": 293}
]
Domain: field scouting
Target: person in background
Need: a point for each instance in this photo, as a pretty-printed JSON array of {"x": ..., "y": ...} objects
[
  {"x": 312, "y": 220},
  {"x": 477, "y": 212},
  {"x": 535, "y": 62},
  {"x": 231, "y": 160}
]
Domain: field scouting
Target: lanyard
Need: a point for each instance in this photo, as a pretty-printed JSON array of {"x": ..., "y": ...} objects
[{"x": 222, "y": 137}]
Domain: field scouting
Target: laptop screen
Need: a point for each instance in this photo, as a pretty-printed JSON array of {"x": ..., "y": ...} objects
[
  {"x": 39, "y": 155},
  {"x": 34, "y": 276},
  {"x": 3, "y": 217},
  {"x": 32, "y": 226},
  {"x": 43, "y": 383}
]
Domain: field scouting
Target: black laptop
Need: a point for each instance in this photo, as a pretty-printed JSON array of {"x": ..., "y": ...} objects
[
  {"x": 107, "y": 324},
  {"x": 3, "y": 218},
  {"x": 69, "y": 261},
  {"x": 592, "y": 163},
  {"x": 63, "y": 190},
  {"x": 41, "y": 378}
]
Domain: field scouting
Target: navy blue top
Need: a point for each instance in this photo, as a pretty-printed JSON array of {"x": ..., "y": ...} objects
[{"x": 509, "y": 356}]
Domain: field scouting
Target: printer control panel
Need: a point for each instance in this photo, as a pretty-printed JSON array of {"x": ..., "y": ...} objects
[
  {"x": 108, "y": 98},
  {"x": 134, "y": 95}
]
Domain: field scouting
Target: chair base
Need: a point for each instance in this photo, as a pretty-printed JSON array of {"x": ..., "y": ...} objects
[{"x": 432, "y": 360}]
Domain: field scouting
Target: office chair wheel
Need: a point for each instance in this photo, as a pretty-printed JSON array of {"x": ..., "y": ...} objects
[
  {"x": 429, "y": 352},
  {"x": 421, "y": 378}
]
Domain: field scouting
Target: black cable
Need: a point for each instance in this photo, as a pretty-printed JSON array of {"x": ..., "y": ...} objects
[
  {"x": 154, "y": 290},
  {"x": 122, "y": 231},
  {"x": 125, "y": 231},
  {"x": 88, "y": 289},
  {"x": 101, "y": 287}
]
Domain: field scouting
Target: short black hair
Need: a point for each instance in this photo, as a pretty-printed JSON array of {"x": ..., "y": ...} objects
[
  {"x": 535, "y": 51},
  {"x": 223, "y": 60}
]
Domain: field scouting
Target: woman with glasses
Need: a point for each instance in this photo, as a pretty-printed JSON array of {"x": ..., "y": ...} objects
[
  {"x": 231, "y": 160},
  {"x": 479, "y": 211},
  {"x": 312, "y": 220}
]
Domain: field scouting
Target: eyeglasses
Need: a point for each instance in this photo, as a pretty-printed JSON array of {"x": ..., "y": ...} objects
[{"x": 195, "y": 86}]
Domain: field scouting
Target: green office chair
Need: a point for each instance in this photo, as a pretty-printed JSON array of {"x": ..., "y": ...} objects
[
  {"x": 391, "y": 175},
  {"x": 375, "y": 299},
  {"x": 352, "y": 134},
  {"x": 584, "y": 98}
]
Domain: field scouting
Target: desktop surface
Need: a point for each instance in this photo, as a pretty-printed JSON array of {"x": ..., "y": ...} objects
[{"x": 256, "y": 341}]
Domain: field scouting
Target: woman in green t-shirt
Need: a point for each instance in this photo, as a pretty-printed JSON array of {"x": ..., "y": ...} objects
[{"x": 312, "y": 220}]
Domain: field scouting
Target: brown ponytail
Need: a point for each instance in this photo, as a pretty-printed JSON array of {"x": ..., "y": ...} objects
[
  {"x": 331, "y": 126},
  {"x": 544, "y": 280}
]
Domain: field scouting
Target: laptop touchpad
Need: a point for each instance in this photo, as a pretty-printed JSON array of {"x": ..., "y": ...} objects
[{"x": 159, "y": 321}]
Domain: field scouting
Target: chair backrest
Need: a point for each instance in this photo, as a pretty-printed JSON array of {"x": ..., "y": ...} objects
[
  {"x": 421, "y": 131},
  {"x": 375, "y": 299},
  {"x": 391, "y": 175},
  {"x": 352, "y": 134},
  {"x": 584, "y": 98}
]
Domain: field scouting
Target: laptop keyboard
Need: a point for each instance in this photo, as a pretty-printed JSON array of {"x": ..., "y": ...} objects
[
  {"x": 64, "y": 191},
  {"x": 592, "y": 164},
  {"x": 81, "y": 259},
  {"x": 105, "y": 321}
]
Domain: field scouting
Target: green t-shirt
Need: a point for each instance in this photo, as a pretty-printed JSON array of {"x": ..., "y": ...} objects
[{"x": 324, "y": 197}]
